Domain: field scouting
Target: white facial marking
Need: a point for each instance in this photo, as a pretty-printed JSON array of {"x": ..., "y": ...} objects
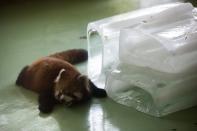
[
  {"x": 78, "y": 95},
  {"x": 68, "y": 98},
  {"x": 56, "y": 94},
  {"x": 62, "y": 97},
  {"x": 59, "y": 75}
]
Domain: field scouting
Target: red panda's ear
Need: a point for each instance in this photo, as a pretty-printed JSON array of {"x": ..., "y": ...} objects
[
  {"x": 83, "y": 79},
  {"x": 61, "y": 72}
]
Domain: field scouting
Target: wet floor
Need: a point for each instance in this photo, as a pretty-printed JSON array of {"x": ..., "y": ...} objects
[{"x": 29, "y": 30}]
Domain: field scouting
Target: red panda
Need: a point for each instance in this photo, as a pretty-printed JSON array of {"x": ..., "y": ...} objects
[{"x": 56, "y": 80}]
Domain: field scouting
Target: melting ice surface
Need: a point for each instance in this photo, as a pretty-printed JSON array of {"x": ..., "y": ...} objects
[
  {"x": 167, "y": 42},
  {"x": 147, "y": 58},
  {"x": 103, "y": 35}
]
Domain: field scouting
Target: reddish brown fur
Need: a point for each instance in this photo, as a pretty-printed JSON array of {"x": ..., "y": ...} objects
[
  {"x": 73, "y": 56},
  {"x": 41, "y": 77},
  {"x": 41, "y": 74}
]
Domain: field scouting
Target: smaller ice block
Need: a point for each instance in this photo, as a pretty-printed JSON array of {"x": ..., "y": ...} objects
[
  {"x": 150, "y": 91},
  {"x": 168, "y": 48}
]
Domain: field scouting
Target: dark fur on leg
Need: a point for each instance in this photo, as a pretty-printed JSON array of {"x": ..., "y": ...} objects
[
  {"x": 47, "y": 101},
  {"x": 97, "y": 92},
  {"x": 20, "y": 77}
]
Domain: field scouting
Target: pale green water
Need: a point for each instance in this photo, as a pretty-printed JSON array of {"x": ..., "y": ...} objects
[{"x": 31, "y": 30}]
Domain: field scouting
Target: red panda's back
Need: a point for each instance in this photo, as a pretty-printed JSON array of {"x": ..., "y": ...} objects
[{"x": 41, "y": 74}]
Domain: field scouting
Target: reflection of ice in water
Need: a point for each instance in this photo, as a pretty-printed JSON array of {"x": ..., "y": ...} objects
[{"x": 98, "y": 121}]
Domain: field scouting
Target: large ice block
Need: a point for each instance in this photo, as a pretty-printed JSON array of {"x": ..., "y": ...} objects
[
  {"x": 146, "y": 59},
  {"x": 103, "y": 36}
]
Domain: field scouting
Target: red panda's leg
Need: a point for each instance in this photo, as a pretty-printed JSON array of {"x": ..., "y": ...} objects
[
  {"x": 96, "y": 92},
  {"x": 47, "y": 101}
]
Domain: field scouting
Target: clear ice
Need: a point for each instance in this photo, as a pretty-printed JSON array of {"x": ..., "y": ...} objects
[{"x": 146, "y": 59}]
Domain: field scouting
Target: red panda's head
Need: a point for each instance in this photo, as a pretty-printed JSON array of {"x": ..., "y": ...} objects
[{"x": 71, "y": 88}]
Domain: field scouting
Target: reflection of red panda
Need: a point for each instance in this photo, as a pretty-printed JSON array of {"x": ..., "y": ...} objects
[{"x": 57, "y": 80}]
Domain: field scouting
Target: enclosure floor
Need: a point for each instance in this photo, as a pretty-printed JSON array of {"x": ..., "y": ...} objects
[{"x": 31, "y": 30}]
